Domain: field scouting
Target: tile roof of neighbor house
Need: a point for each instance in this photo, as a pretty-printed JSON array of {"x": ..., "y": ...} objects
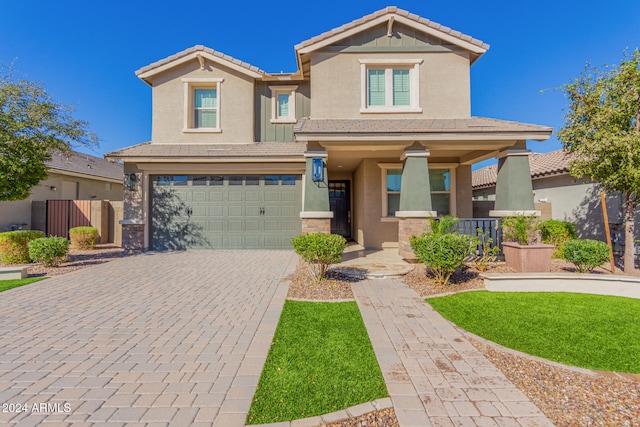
[
  {"x": 198, "y": 48},
  {"x": 386, "y": 11},
  {"x": 86, "y": 165},
  {"x": 541, "y": 165},
  {"x": 210, "y": 151},
  {"x": 373, "y": 126}
]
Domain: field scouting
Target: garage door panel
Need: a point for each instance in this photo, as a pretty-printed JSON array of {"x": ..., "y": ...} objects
[
  {"x": 234, "y": 212},
  {"x": 216, "y": 211},
  {"x": 236, "y": 195},
  {"x": 236, "y": 225},
  {"x": 251, "y": 225}
]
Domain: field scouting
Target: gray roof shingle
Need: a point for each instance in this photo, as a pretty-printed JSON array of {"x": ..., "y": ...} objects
[
  {"x": 210, "y": 151},
  {"x": 198, "y": 48},
  {"x": 87, "y": 165},
  {"x": 541, "y": 164},
  {"x": 373, "y": 126}
]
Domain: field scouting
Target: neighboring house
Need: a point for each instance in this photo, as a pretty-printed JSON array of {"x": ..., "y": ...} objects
[
  {"x": 75, "y": 177},
  {"x": 567, "y": 198},
  {"x": 370, "y": 136}
]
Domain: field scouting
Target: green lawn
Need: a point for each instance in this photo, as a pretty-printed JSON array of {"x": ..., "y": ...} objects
[
  {"x": 320, "y": 361},
  {"x": 10, "y": 284},
  {"x": 590, "y": 331}
]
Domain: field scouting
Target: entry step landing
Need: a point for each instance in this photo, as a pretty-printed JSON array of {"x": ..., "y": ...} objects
[{"x": 361, "y": 263}]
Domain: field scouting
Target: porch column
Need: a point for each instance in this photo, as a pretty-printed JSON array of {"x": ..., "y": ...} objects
[
  {"x": 514, "y": 191},
  {"x": 415, "y": 199},
  {"x": 316, "y": 214},
  {"x": 133, "y": 222}
]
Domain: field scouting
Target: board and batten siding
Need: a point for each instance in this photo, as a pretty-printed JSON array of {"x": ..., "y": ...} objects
[{"x": 278, "y": 132}]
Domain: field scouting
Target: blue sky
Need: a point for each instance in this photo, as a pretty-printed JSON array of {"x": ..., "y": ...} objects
[{"x": 86, "y": 53}]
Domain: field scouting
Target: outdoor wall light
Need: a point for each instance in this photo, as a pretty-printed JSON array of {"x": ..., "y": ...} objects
[
  {"x": 53, "y": 188},
  {"x": 317, "y": 169},
  {"x": 130, "y": 181}
]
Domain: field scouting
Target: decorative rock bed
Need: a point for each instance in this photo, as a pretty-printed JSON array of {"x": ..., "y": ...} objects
[{"x": 614, "y": 285}]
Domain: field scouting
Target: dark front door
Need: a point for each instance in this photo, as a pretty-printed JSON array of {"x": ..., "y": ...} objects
[{"x": 340, "y": 203}]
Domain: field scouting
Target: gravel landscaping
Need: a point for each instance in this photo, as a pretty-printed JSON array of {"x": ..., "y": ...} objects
[{"x": 78, "y": 259}]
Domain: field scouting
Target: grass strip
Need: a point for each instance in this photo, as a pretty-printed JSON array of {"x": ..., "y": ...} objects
[
  {"x": 589, "y": 331},
  {"x": 10, "y": 284},
  {"x": 320, "y": 361}
]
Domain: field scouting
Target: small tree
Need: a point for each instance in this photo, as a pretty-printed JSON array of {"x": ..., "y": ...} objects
[
  {"x": 602, "y": 132},
  {"x": 32, "y": 127}
]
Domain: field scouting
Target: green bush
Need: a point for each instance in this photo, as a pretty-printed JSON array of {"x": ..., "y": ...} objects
[
  {"x": 320, "y": 250},
  {"x": 49, "y": 251},
  {"x": 519, "y": 229},
  {"x": 13, "y": 245},
  {"x": 443, "y": 254},
  {"x": 443, "y": 225},
  {"x": 83, "y": 237},
  {"x": 586, "y": 255},
  {"x": 557, "y": 233}
]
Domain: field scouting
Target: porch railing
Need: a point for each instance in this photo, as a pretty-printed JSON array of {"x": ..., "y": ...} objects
[{"x": 492, "y": 226}]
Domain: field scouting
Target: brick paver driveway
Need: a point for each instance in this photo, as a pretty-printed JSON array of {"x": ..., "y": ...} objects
[{"x": 171, "y": 338}]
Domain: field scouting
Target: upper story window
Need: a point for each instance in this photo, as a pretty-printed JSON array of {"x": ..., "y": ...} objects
[
  {"x": 390, "y": 86},
  {"x": 202, "y": 105},
  {"x": 283, "y": 104}
]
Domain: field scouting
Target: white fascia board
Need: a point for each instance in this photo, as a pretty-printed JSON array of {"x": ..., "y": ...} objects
[{"x": 425, "y": 137}]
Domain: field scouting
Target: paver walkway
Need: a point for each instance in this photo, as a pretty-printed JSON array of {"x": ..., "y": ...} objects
[
  {"x": 434, "y": 376},
  {"x": 170, "y": 338}
]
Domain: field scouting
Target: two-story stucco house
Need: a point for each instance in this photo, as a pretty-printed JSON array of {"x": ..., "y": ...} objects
[{"x": 370, "y": 137}]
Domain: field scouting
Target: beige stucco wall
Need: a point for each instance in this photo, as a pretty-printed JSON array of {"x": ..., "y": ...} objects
[
  {"x": 370, "y": 230},
  {"x": 236, "y": 105},
  {"x": 336, "y": 85},
  {"x": 464, "y": 204},
  {"x": 19, "y": 211}
]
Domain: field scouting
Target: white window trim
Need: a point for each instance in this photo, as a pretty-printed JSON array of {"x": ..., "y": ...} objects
[
  {"x": 388, "y": 65},
  {"x": 278, "y": 90},
  {"x": 452, "y": 186},
  {"x": 190, "y": 84}
]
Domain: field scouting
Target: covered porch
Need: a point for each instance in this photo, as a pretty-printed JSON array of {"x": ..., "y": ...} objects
[{"x": 383, "y": 179}]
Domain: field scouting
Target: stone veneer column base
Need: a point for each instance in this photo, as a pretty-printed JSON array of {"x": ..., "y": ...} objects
[
  {"x": 316, "y": 225},
  {"x": 408, "y": 227},
  {"x": 133, "y": 237}
]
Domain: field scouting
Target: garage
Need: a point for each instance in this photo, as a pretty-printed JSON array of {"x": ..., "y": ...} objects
[{"x": 224, "y": 211}]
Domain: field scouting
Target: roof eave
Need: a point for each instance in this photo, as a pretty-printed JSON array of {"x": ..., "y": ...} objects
[{"x": 423, "y": 136}]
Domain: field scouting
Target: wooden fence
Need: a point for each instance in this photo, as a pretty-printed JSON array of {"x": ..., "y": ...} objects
[
  {"x": 62, "y": 215},
  {"x": 56, "y": 217}
]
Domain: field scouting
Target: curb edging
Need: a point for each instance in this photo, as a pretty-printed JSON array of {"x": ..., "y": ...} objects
[{"x": 334, "y": 417}]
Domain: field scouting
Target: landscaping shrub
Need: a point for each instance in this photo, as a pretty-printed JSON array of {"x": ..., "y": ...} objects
[
  {"x": 443, "y": 254},
  {"x": 557, "y": 233},
  {"x": 586, "y": 255},
  {"x": 444, "y": 225},
  {"x": 49, "y": 251},
  {"x": 489, "y": 250},
  {"x": 13, "y": 245},
  {"x": 83, "y": 237},
  {"x": 519, "y": 229},
  {"x": 320, "y": 250}
]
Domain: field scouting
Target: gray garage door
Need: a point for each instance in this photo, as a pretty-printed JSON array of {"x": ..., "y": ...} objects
[{"x": 225, "y": 211}]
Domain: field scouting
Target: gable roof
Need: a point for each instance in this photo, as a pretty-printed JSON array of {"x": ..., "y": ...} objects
[
  {"x": 541, "y": 165},
  {"x": 476, "y": 47},
  {"x": 195, "y": 52},
  {"x": 308, "y": 128},
  {"x": 86, "y": 165}
]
